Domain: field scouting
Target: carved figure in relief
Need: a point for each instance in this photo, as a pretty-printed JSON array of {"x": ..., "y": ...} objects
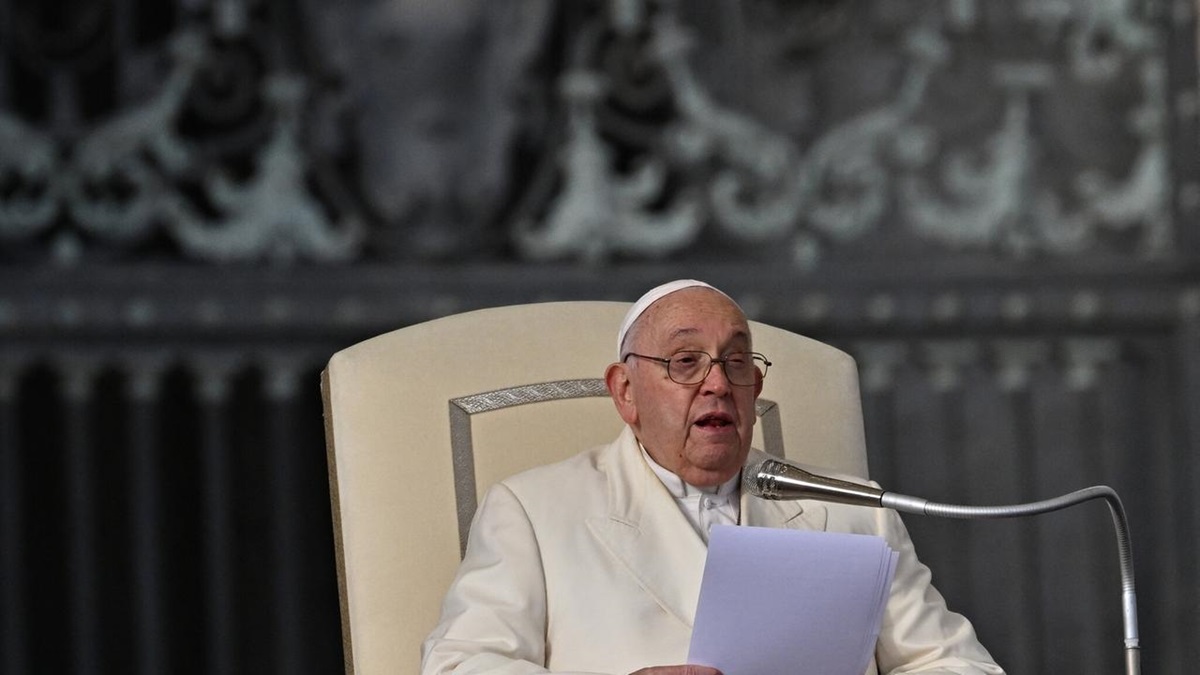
[{"x": 435, "y": 90}]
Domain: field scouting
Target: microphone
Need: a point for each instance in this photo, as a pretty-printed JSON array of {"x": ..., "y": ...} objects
[
  {"x": 776, "y": 479},
  {"x": 772, "y": 478}
]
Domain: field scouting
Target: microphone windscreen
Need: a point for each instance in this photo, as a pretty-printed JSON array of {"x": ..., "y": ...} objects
[{"x": 751, "y": 476}]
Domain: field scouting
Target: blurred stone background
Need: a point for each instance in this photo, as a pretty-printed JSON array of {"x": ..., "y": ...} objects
[{"x": 991, "y": 204}]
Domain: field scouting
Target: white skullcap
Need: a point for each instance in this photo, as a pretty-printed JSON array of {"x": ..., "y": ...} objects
[{"x": 652, "y": 296}]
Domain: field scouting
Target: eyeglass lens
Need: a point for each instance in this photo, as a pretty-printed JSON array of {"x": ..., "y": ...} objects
[{"x": 693, "y": 367}]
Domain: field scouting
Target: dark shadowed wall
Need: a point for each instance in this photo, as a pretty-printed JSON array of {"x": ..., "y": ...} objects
[{"x": 991, "y": 204}]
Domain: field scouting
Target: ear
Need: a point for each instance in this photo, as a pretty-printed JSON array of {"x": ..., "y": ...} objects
[
  {"x": 616, "y": 378},
  {"x": 758, "y": 383}
]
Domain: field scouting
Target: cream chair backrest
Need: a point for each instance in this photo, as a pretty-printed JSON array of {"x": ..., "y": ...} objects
[{"x": 422, "y": 420}]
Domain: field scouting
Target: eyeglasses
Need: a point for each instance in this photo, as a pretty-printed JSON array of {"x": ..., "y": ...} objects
[{"x": 693, "y": 367}]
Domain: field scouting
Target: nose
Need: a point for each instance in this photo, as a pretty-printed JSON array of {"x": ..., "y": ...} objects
[{"x": 716, "y": 381}]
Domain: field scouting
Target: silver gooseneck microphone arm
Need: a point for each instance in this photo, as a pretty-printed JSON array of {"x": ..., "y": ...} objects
[{"x": 776, "y": 479}]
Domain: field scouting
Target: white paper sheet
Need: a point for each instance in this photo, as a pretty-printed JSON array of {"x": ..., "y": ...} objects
[{"x": 776, "y": 601}]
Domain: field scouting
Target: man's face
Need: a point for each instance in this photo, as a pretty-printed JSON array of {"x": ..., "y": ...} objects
[{"x": 701, "y": 432}]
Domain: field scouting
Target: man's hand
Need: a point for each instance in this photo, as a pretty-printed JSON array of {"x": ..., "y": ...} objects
[{"x": 678, "y": 670}]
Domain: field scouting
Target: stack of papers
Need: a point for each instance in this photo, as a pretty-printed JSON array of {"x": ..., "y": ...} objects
[{"x": 776, "y": 601}]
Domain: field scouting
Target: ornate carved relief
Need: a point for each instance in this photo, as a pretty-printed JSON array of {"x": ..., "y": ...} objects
[
  {"x": 414, "y": 129},
  {"x": 159, "y": 165}
]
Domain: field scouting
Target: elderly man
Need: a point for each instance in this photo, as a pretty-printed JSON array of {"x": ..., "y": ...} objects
[{"x": 593, "y": 564}]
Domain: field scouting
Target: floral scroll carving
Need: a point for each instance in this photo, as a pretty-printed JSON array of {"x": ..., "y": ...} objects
[{"x": 609, "y": 130}]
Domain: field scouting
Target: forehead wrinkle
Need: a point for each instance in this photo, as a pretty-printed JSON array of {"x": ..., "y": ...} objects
[
  {"x": 681, "y": 332},
  {"x": 688, "y": 332}
]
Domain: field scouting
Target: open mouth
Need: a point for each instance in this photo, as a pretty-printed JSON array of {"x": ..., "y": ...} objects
[{"x": 714, "y": 421}]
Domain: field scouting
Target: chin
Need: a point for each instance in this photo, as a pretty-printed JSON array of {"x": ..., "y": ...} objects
[{"x": 717, "y": 469}]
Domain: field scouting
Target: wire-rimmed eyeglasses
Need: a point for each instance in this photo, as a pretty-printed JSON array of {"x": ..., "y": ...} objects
[{"x": 693, "y": 367}]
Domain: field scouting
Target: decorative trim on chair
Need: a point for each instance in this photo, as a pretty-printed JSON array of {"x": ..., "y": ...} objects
[
  {"x": 531, "y": 393},
  {"x": 462, "y": 446}
]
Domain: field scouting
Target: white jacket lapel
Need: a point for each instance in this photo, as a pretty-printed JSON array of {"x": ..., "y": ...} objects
[{"x": 648, "y": 535}]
